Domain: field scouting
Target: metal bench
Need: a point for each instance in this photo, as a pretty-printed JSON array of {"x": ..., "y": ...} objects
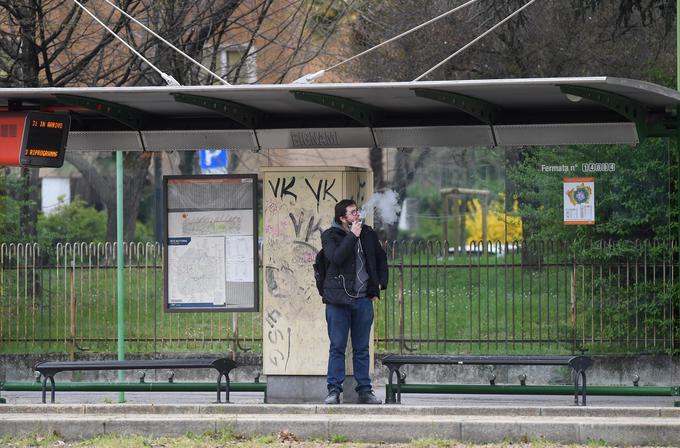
[
  {"x": 222, "y": 365},
  {"x": 578, "y": 364}
]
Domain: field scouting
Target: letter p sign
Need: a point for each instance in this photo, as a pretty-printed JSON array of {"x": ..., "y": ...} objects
[{"x": 212, "y": 160}]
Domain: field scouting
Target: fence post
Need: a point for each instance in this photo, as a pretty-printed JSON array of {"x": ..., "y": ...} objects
[
  {"x": 234, "y": 342},
  {"x": 73, "y": 309},
  {"x": 573, "y": 305},
  {"x": 445, "y": 216},
  {"x": 401, "y": 307}
]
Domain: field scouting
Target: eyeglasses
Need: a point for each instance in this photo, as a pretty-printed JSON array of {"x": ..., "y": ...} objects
[{"x": 353, "y": 212}]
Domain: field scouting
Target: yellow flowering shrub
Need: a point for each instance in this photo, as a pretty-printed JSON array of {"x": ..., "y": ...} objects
[{"x": 496, "y": 222}]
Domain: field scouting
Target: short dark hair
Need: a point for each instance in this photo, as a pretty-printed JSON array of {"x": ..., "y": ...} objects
[{"x": 341, "y": 209}]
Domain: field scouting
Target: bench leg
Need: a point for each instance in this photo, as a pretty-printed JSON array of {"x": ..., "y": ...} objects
[
  {"x": 399, "y": 381},
  {"x": 52, "y": 389},
  {"x": 584, "y": 393},
  {"x": 390, "y": 398},
  {"x": 44, "y": 389},
  {"x": 576, "y": 381},
  {"x": 219, "y": 387}
]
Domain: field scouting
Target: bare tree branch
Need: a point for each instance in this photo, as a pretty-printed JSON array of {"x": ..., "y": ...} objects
[{"x": 53, "y": 43}]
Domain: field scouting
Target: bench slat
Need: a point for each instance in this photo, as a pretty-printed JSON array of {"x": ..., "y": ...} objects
[
  {"x": 479, "y": 360},
  {"x": 182, "y": 363}
]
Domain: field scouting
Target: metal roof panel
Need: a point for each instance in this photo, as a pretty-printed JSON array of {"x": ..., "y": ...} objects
[{"x": 538, "y": 104}]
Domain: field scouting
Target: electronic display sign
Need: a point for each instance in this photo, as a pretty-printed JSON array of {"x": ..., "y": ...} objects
[{"x": 33, "y": 139}]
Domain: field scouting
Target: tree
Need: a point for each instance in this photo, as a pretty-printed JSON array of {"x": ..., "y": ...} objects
[
  {"x": 627, "y": 38},
  {"x": 648, "y": 10},
  {"x": 55, "y": 43},
  {"x": 10, "y": 209},
  {"x": 70, "y": 223},
  {"x": 550, "y": 38},
  {"x": 101, "y": 176},
  {"x": 629, "y": 202}
]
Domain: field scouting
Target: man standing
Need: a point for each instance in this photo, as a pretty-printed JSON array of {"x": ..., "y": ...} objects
[{"x": 357, "y": 270}]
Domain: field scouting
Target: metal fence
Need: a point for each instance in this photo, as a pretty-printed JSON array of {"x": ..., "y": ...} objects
[
  {"x": 547, "y": 297},
  {"x": 543, "y": 297}
]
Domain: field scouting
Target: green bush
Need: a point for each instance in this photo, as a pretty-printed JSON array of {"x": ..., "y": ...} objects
[
  {"x": 633, "y": 202},
  {"x": 143, "y": 233},
  {"x": 9, "y": 220},
  {"x": 72, "y": 222}
]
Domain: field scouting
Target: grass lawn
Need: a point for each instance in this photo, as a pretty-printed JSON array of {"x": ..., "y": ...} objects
[{"x": 284, "y": 438}]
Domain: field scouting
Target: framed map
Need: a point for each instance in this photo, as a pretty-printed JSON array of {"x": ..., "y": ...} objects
[{"x": 211, "y": 243}]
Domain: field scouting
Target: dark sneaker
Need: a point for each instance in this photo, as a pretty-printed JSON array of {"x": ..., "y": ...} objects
[
  {"x": 333, "y": 397},
  {"x": 368, "y": 398}
]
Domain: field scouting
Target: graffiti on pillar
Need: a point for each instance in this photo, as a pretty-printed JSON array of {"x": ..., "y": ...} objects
[
  {"x": 278, "y": 338},
  {"x": 298, "y": 207},
  {"x": 323, "y": 185},
  {"x": 311, "y": 226},
  {"x": 357, "y": 191},
  {"x": 283, "y": 187}
]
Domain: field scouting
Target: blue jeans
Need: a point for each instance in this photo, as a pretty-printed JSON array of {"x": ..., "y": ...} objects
[{"x": 341, "y": 319}]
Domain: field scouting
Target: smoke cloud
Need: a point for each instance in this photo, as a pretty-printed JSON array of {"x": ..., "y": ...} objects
[{"x": 386, "y": 207}]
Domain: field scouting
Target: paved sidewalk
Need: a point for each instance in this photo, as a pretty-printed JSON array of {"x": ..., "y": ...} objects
[
  {"x": 482, "y": 400},
  {"x": 469, "y": 418}
]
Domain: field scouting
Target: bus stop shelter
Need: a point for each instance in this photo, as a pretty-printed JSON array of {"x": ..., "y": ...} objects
[
  {"x": 506, "y": 112},
  {"x": 481, "y": 113}
]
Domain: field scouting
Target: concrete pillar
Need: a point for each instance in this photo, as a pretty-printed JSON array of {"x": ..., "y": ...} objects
[{"x": 298, "y": 205}]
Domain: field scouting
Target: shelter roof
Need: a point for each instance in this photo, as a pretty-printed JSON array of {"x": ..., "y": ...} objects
[{"x": 507, "y": 112}]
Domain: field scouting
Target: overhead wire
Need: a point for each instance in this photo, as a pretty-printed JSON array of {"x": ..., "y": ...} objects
[
  {"x": 405, "y": 33},
  {"x": 311, "y": 77},
  {"x": 473, "y": 41},
  {"x": 167, "y": 78},
  {"x": 214, "y": 75}
]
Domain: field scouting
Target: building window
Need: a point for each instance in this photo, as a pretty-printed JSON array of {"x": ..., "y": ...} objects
[{"x": 226, "y": 61}]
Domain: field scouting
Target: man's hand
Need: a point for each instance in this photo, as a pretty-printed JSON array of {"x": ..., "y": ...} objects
[
  {"x": 375, "y": 299},
  {"x": 356, "y": 228}
]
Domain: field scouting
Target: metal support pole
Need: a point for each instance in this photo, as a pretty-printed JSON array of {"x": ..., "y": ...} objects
[
  {"x": 445, "y": 217},
  {"x": 456, "y": 225},
  {"x": 119, "y": 270},
  {"x": 677, "y": 147},
  {"x": 158, "y": 196},
  {"x": 485, "y": 222}
]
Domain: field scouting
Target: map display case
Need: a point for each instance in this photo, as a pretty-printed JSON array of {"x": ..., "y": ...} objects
[{"x": 211, "y": 243}]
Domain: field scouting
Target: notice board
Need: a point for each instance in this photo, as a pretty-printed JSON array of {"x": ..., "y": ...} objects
[{"x": 211, "y": 243}]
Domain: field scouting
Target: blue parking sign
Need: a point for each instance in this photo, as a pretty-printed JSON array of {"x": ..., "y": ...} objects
[{"x": 214, "y": 159}]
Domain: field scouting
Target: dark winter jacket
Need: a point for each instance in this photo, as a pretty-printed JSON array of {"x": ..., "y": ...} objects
[{"x": 339, "y": 246}]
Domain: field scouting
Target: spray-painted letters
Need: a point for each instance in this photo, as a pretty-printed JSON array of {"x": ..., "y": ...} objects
[{"x": 280, "y": 354}]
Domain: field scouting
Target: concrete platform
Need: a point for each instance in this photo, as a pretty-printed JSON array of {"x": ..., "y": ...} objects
[{"x": 628, "y": 422}]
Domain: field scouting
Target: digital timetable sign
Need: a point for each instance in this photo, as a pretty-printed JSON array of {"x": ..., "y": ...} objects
[{"x": 33, "y": 139}]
